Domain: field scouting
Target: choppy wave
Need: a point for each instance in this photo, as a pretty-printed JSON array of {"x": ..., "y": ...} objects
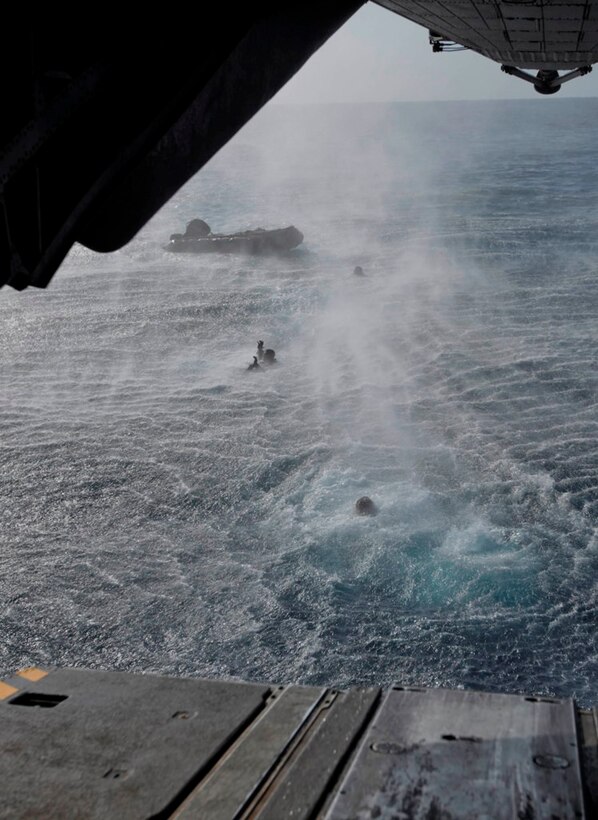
[{"x": 165, "y": 509}]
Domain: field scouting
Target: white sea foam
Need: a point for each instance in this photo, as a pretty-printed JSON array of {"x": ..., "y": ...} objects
[{"x": 165, "y": 509}]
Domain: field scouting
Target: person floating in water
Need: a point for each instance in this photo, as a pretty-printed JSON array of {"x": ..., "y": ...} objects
[
  {"x": 260, "y": 350},
  {"x": 270, "y": 356},
  {"x": 255, "y": 364},
  {"x": 365, "y": 506},
  {"x": 358, "y": 271}
]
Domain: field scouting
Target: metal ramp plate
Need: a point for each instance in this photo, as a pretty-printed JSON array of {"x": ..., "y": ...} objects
[
  {"x": 443, "y": 753},
  {"x": 116, "y": 745},
  {"x": 90, "y": 744},
  {"x": 287, "y": 763}
]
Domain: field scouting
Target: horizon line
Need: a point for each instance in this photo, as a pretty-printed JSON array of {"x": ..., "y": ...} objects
[{"x": 537, "y": 98}]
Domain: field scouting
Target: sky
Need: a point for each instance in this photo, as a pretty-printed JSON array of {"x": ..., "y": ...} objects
[{"x": 378, "y": 56}]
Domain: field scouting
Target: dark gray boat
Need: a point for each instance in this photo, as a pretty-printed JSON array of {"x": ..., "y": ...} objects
[{"x": 198, "y": 238}]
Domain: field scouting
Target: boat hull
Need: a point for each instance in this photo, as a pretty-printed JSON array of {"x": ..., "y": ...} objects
[{"x": 251, "y": 242}]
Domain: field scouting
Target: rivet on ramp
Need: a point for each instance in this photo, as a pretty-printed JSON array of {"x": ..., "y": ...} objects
[
  {"x": 116, "y": 774},
  {"x": 183, "y": 715},
  {"x": 551, "y": 762},
  {"x": 385, "y": 748}
]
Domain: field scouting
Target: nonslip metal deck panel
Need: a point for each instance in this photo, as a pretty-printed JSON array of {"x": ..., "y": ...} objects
[
  {"x": 511, "y": 756},
  {"x": 525, "y": 33},
  {"x": 95, "y": 744}
]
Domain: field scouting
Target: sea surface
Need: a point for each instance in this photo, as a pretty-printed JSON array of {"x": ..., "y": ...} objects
[{"x": 166, "y": 510}]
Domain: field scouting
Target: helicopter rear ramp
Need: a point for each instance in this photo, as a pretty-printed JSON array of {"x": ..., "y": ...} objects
[{"x": 98, "y": 744}]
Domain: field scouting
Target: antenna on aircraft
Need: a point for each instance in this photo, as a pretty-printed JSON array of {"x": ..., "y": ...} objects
[
  {"x": 443, "y": 44},
  {"x": 546, "y": 81}
]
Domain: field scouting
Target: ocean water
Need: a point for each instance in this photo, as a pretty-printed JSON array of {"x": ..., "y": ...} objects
[{"x": 163, "y": 509}]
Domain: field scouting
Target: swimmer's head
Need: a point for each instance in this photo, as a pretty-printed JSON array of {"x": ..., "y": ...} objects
[{"x": 365, "y": 506}]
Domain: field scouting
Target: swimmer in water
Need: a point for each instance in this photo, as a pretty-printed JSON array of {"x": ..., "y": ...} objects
[
  {"x": 254, "y": 365},
  {"x": 358, "y": 271},
  {"x": 365, "y": 506},
  {"x": 270, "y": 356}
]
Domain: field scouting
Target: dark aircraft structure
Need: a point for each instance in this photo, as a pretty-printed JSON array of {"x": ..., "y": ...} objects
[
  {"x": 541, "y": 35},
  {"x": 99, "y": 129}
]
